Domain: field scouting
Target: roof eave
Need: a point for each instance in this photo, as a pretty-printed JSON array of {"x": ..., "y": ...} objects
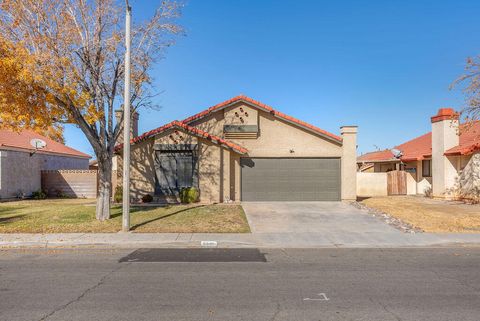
[
  {"x": 194, "y": 131},
  {"x": 393, "y": 160},
  {"x": 39, "y": 151},
  {"x": 465, "y": 151}
]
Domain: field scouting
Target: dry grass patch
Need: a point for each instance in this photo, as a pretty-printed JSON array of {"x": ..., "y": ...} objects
[
  {"x": 78, "y": 216},
  {"x": 430, "y": 215}
]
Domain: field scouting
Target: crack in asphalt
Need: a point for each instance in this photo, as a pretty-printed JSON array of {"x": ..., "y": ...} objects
[
  {"x": 291, "y": 258},
  {"x": 384, "y": 307},
  {"x": 276, "y": 313},
  {"x": 444, "y": 277},
  {"x": 100, "y": 282}
]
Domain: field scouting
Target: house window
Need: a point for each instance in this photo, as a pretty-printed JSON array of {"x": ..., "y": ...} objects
[
  {"x": 427, "y": 168},
  {"x": 176, "y": 167}
]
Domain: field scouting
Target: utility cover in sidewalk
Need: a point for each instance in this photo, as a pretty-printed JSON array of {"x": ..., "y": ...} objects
[{"x": 195, "y": 255}]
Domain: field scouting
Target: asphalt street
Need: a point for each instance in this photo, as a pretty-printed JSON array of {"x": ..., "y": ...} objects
[{"x": 241, "y": 284}]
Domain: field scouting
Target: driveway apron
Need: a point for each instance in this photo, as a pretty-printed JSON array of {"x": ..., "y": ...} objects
[{"x": 308, "y": 223}]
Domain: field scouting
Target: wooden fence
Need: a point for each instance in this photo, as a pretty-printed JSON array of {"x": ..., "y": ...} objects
[
  {"x": 70, "y": 183},
  {"x": 397, "y": 183}
]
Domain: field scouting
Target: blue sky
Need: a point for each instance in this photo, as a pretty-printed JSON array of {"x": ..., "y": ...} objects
[{"x": 385, "y": 66}]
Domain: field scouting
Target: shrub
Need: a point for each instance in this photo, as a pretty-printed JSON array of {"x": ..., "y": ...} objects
[
  {"x": 39, "y": 195},
  {"x": 118, "y": 196},
  {"x": 189, "y": 195},
  {"x": 428, "y": 192},
  {"x": 21, "y": 194},
  {"x": 147, "y": 198},
  {"x": 60, "y": 193}
]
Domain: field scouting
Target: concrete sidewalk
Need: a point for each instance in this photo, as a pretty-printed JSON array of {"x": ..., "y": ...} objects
[{"x": 259, "y": 240}]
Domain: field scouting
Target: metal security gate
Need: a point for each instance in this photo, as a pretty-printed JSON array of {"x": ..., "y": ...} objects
[
  {"x": 290, "y": 179},
  {"x": 176, "y": 167}
]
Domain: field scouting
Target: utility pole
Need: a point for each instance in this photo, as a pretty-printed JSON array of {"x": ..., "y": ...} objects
[{"x": 126, "y": 125}]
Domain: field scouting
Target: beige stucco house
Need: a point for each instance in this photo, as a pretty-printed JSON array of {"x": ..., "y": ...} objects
[
  {"x": 444, "y": 162},
  {"x": 244, "y": 150},
  {"x": 21, "y": 164}
]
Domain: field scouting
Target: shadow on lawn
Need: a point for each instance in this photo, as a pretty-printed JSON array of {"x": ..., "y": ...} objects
[
  {"x": 7, "y": 210},
  {"x": 116, "y": 210},
  {"x": 134, "y": 227},
  {"x": 11, "y": 219}
]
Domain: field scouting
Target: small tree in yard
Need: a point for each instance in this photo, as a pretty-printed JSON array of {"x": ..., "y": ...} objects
[{"x": 62, "y": 61}]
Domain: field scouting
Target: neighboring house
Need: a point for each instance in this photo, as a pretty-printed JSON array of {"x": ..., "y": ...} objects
[
  {"x": 93, "y": 165},
  {"x": 445, "y": 160},
  {"x": 243, "y": 150},
  {"x": 366, "y": 168},
  {"x": 21, "y": 164}
]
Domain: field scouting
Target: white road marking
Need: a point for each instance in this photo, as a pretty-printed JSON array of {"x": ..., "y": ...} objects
[{"x": 322, "y": 297}]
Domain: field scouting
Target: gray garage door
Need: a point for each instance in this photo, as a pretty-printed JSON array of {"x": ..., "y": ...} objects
[{"x": 290, "y": 179}]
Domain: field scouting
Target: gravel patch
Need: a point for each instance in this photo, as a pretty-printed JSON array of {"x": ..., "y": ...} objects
[{"x": 390, "y": 220}]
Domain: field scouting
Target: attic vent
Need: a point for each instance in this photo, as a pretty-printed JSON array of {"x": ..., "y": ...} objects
[
  {"x": 241, "y": 135},
  {"x": 240, "y": 131}
]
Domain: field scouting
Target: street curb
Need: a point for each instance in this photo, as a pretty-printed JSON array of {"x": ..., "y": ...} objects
[{"x": 135, "y": 245}]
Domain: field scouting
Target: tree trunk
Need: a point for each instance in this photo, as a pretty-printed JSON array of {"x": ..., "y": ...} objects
[{"x": 104, "y": 189}]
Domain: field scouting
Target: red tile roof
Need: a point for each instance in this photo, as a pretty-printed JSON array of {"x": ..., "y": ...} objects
[
  {"x": 381, "y": 155},
  {"x": 21, "y": 140},
  {"x": 189, "y": 129},
  {"x": 416, "y": 149},
  {"x": 265, "y": 107},
  {"x": 421, "y": 147},
  {"x": 469, "y": 140}
]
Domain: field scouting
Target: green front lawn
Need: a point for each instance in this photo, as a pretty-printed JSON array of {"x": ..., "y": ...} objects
[{"x": 78, "y": 216}]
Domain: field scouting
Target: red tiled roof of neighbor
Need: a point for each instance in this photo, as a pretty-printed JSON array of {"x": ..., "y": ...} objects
[
  {"x": 416, "y": 149},
  {"x": 21, "y": 140},
  {"x": 381, "y": 155},
  {"x": 190, "y": 129},
  {"x": 265, "y": 107},
  {"x": 421, "y": 147},
  {"x": 469, "y": 140}
]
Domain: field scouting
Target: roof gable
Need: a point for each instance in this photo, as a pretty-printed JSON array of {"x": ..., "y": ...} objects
[
  {"x": 21, "y": 140},
  {"x": 261, "y": 106}
]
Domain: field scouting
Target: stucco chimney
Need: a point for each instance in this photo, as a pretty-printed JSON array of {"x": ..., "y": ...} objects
[
  {"x": 133, "y": 124},
  {"x": 349, "y": 162},
  {"x": 444, "y": 137}
]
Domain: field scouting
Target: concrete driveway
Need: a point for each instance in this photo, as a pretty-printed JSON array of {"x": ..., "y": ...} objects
[{"x": 319, "y": 222}]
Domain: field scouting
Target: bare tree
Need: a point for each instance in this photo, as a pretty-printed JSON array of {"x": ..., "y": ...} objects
[
  {"x": 471, "y": 87},
  {"x": 62, "y": 61}
]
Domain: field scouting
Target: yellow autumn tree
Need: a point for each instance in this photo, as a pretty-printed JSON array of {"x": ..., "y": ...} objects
[{"x": 62, "y": 61}]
